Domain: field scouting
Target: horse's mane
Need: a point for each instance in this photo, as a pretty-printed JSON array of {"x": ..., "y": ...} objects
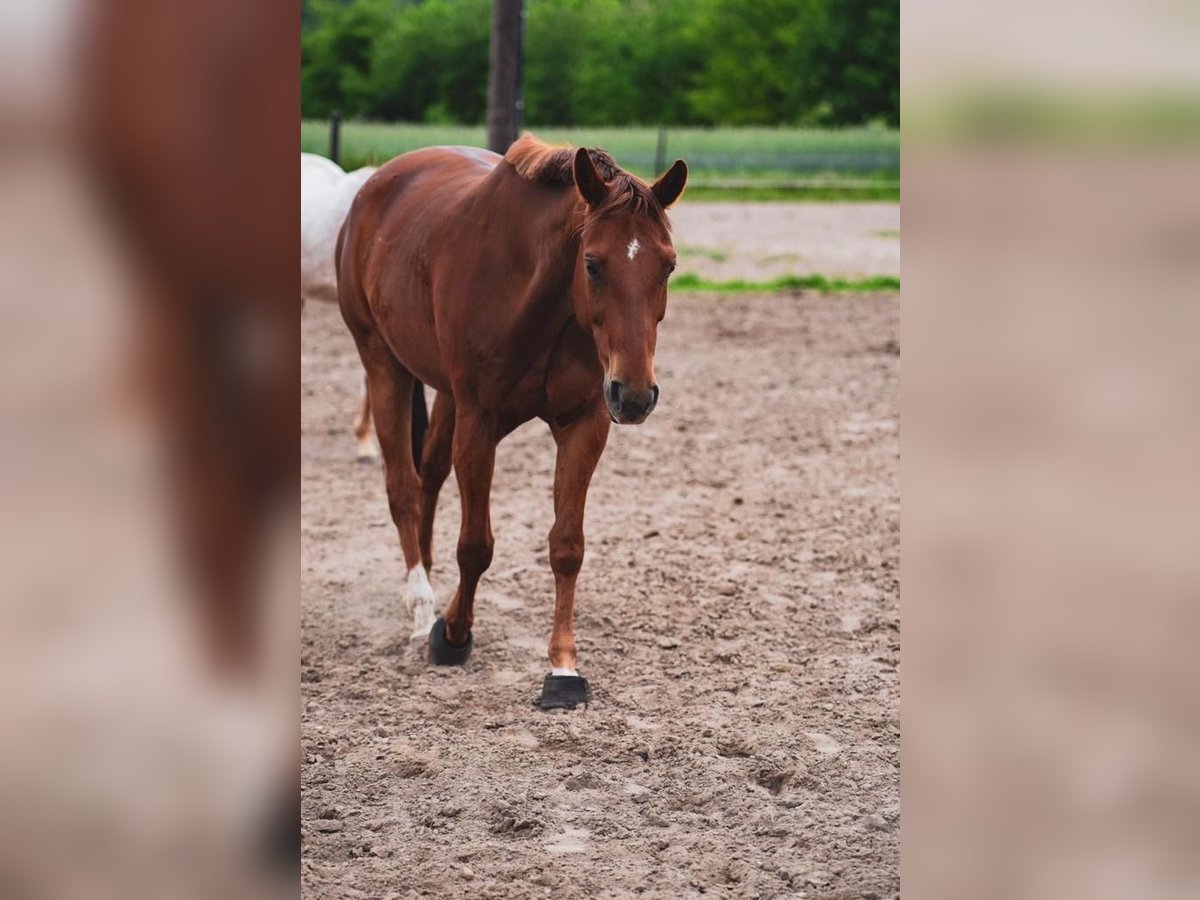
[{"x": 535, "y": 160}]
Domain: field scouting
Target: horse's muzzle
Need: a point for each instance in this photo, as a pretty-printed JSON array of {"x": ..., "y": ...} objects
[{"x": 629, "y": 407}]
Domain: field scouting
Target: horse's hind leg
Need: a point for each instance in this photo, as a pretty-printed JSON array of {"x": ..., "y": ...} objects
[
  {"x": 474, "y": 457},
  {"x": 435, "y": 466},
  {"x": 391, "y": 390},
  {"x": 367, "y": 451}
]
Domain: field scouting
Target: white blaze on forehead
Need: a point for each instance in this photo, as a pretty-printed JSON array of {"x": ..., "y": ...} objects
[{"x": 632, "y": 249}]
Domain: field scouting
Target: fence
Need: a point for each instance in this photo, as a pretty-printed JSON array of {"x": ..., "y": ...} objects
[{"x": 774, "y": 158}]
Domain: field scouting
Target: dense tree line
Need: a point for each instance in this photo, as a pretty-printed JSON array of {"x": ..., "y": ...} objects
[{"x": 610, "y": 62}]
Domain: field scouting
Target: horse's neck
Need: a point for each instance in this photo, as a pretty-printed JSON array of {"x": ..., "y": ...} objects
[{"x": 554, "y": 251}]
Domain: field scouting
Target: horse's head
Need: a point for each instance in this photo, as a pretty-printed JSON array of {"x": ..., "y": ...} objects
[{"x": 625, "y": 258}]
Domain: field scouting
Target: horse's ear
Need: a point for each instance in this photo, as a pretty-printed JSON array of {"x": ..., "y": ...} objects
[
  {"x": 668, "y": 188},
  {"x": 587, "y": 179}
]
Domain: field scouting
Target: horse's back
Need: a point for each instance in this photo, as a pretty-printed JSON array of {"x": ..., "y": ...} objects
[
  {"x": 393, "y": 215},
  {"x": 385, "y": 246},
  {"x": 437, "y": 175}
]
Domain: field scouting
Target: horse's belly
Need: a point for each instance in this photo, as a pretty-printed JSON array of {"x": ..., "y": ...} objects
[{"x": 407, "y": 325}]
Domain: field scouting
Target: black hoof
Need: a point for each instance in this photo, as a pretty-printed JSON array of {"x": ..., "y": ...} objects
[
  {"x": 564, "y": 692},
  {"x": 442, "y": 652}
]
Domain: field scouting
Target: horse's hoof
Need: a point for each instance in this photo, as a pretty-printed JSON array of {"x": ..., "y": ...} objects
[
  {"x": 442, "y": 652},
  {"x": 564, "y": 692}
]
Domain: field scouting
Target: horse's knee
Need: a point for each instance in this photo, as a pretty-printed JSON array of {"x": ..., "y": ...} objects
[
  {"x": 566, "y": 552},
  {"x": 474, "y": 556}
]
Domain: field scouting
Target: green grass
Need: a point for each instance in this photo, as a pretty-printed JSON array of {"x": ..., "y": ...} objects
[
  {"x": 724, "y": 163},
  {"x": 1069, "y": 118},
  {"x": 829, "y": 193},
  {"x": 693, "y": 282},
  {"x": 692, "y": 252}
]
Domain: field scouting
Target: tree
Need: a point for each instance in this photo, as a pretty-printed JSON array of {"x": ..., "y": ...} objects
[
  {"x": 858, "y": 57},
  {"x": 605, "y": 62},
  {"x": 431, "y": 65},
  {"x": 337, "y": 55},
  {"x": 759, "y": 69}
]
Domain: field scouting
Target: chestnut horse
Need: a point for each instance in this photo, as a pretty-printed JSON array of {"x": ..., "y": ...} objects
[{"x": 520, "y": 287}]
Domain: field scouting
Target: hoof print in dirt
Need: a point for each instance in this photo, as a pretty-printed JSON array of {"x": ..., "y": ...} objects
[
  {"x": 564, "y": 692},
  {"x": 442, "y": 652}
]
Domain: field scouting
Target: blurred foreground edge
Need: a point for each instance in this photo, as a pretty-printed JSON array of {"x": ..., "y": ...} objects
[
  {"x": 149, "y": 620},
  {"x": 1051, "y": 273}
]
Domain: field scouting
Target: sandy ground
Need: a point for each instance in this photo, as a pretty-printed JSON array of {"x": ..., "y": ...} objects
[
  {"x": 760, "y": 241},
  {"x": 737, "y": 618}
]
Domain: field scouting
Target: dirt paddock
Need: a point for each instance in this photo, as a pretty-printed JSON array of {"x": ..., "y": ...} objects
[{"x": 737, "y": 617}]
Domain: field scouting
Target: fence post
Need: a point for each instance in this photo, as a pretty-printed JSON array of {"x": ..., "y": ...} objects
[
  {"x": 660, "y": 152},
  {"x": 504, "y": 78},
  {"x": 520, "y": 103},
  {"x": 335, "y": 136}
]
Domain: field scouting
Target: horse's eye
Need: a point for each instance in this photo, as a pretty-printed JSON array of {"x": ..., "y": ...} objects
[{"x": 593, "y": 268}]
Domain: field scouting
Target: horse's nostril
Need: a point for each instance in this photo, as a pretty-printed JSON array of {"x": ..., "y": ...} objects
[
  {"x": 614, "y": 392},
  {"x": 654, "y": 399}
]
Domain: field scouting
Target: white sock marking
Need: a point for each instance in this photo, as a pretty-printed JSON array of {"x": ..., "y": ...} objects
[
  {"x": 418, "y": 597},
  {"x": 367, "y": 448},
  {"x": 563, "y": 672},
  {"x": 633, "y": 248}
]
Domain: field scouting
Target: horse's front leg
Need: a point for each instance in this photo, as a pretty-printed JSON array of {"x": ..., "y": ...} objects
[
  {"x": 580, "y": 445},
  {"x": 474, "y": 462}
]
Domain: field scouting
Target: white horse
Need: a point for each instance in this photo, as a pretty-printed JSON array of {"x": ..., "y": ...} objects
[{"x": 326, "y": 193}]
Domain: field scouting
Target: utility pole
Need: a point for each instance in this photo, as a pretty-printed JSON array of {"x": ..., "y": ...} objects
[{"x": 504, "y": 83}]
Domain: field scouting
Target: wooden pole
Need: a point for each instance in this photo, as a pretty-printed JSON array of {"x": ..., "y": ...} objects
[{"x": 504, "y": 82}]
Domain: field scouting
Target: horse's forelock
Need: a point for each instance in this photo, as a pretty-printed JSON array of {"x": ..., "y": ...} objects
[
  {"x": 535, "y": 160},
  {"x": 627, "y": 193}
]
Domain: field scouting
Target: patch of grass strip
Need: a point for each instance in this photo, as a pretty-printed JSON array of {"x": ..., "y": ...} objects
[
  {"x": 692, "y": 282},
  {"x": 794, "y": 165},
  {"x": 714, "y": 255},
  {"x": 804, "y": 194}
]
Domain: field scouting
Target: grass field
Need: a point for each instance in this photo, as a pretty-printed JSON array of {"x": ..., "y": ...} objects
[
  {"x": 819, "y": 283},
  {"x": 725, "y": 164}
]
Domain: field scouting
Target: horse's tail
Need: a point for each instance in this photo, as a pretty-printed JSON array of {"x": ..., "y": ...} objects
[{"x": 420, "y": 422}]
